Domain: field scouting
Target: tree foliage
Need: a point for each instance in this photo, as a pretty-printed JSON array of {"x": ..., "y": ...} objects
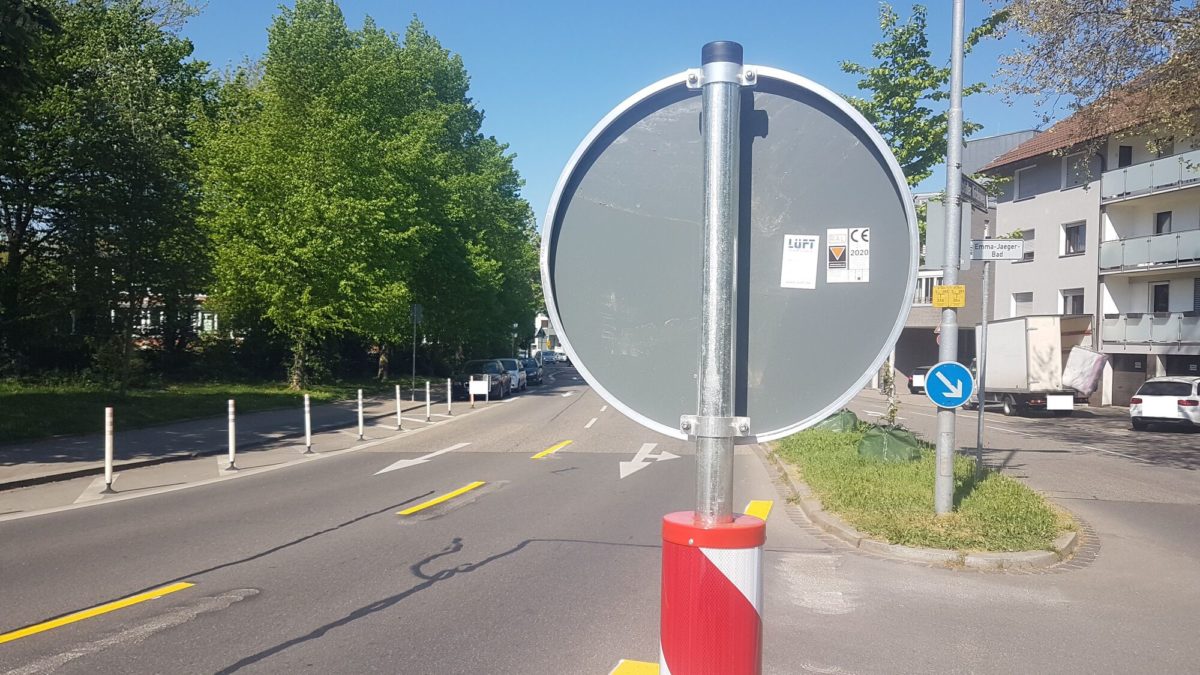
[
  {"x": 907, "y": 90},
  {"x": 346, "y": 178},
  {"x": 96, "y": 181},
  {"x": 1104, "y": 57}
]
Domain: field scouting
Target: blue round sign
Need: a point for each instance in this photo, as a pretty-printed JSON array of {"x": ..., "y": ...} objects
[{"x": 949, "y": 384}]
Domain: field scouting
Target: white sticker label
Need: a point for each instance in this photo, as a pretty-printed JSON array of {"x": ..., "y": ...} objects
[
  {"x": 799, "y": 268},
  {"x": 848, "y": 255}
]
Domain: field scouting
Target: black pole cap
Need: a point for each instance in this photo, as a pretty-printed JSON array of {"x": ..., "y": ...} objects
[{"x": 723, "y": 50}]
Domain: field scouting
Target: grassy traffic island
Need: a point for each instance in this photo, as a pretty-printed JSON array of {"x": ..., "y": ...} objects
[
  {"x": 894, "y": 501},
  {"x": 39, "y": 410}
]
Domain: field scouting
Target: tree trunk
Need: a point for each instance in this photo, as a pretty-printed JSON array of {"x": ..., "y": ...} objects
[
  {"x": 297, "y": 374},
  {"x": 382, "y": 373}
]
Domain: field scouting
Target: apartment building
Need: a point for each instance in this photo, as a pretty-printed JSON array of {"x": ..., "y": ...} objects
[{"x": 1113, "y": 235}]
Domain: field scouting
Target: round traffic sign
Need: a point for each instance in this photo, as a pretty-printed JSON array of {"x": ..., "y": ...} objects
[
  {"x": 826, "y": 255},
  {"x": 949, "y": 384}
]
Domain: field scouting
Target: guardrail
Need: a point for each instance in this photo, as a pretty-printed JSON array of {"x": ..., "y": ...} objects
[
  {"x": 1149, "y": 329},
  {"x": 1164, "y": 173},
  {"x": 1171, "y": 248}
]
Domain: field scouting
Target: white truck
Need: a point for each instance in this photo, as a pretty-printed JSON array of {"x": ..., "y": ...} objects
[{"x": 1039, "y": 363}]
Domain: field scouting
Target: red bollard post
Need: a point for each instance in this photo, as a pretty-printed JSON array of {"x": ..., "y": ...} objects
[{"x": 711, "y": 596}]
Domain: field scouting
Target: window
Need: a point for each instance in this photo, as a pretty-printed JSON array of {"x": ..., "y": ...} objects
[
  {"x": 1124, "y": 156},
  {"x": 1074, "y": 239},
  {"x": 1162, "y": 222},
  {"x": 1022, "y": 304},
  {"x": 1072, "y": 301},
  {"x": 1022, "y": 183},
  {"x": 1160, "y": 297},
  {"x": 1027, "y": 237},
  {"x": 1075, "y": 170}
]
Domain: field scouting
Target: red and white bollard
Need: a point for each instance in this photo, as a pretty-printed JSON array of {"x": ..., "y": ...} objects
[{"x": 711, "y": 596}]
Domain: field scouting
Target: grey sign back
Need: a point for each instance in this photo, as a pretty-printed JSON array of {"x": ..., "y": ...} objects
[{"x": 621, "y": 255}]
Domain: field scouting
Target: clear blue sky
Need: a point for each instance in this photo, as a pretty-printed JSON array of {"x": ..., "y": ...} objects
[{"x": 545, "y": 72}]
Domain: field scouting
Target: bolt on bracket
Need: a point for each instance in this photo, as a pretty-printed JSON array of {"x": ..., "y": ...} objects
[{"x": 747, "y": 76}]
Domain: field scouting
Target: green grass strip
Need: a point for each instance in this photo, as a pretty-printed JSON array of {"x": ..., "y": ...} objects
[{"x": 894, "y": 501}]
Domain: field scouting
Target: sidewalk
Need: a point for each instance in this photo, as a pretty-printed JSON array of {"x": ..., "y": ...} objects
[{"x": 32, "y": 462}]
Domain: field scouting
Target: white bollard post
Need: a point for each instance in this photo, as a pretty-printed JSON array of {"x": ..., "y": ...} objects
[
  {"x": 360, "y": 415},
  {"x": 399, "y": 419},
  {"x": 428, "y": 416},
  {"x": 449, "y": 397},
  {"x": 470, "y": 392},
  {"x": 232, "y": 438},
  {"x": 307, "y": 426},
  {"x": 108, "y": 450}
]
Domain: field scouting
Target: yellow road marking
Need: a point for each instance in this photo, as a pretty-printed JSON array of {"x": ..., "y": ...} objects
[
  {"x": 759, "y": 508},
  {"x": 438, "y": 500},
  {"x": 94, "y": 611},
  {"x": 627, "y": 667},
  {"x": 551, "y": 450}
]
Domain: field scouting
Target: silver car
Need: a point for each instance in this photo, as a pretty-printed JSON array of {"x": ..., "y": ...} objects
[
  {"x": 1166, "y": 400},
  {"x": 516, "y": 374}
]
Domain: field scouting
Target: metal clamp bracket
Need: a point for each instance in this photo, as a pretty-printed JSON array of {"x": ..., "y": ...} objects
[
  {"x": 747, "y": 76},
  {"x": 714, "y": 427}
]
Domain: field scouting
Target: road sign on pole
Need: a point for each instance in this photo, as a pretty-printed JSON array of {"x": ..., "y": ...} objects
[
  {"x": 997, "y": 249},
  {"x": 809, "y": 252},
  {"x": 949, "y": 384}
]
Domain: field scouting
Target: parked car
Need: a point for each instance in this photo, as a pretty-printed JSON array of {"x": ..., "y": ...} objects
[
  {"x": 549, "y": 357},
  {"x": 916, "y": 381},
  {"x": 533, "y": 372},
  {"x": 1166, "y": 400},
  {"x": 491, "y": 369},
  {"x": 563, "y": 358},
  {"x": 516, "y": 374}
]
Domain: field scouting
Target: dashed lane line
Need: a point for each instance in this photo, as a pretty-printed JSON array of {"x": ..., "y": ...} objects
[
  {"x": 94, "y": 611},
  {"x": 444, "y": 498},
  {"x": 551, "y": 450},
  {"x": 590, "y": 423}
]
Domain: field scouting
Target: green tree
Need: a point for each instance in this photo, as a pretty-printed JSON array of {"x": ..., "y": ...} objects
[
  {"x": 96, "y": 178},
  {"x": 905, "y": 88}
]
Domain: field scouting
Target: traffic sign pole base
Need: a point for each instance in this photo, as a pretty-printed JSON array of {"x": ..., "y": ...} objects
[{"x": 711, "y": 619}]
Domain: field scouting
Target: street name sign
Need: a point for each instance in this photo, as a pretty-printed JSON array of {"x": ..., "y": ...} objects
[
  {"x": 997, "y": 249},
  {"x": 826, "y": 254},
  {"x": 949, "y": 384},
  {"x": 950, "y": 296}
]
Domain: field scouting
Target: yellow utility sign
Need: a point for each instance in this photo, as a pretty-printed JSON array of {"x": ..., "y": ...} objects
[{"x": 949, "y": 296}]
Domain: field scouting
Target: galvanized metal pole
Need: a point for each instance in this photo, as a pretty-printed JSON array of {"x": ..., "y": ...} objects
[
  {"x": 428, "y": 411},
  {"x": 399, "y": 417},
  {"x": 412, "y": 382},
  {"x": 722, "y": 64},
  {"x": 449, "y": 397},
  {"x": 360, "y": 415},
  {"x": 943, "y": 496},
  {"x": 981, "y": 360}
]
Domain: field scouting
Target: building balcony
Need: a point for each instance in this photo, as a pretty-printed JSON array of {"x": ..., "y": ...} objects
[
  {"x": 1158, "y": 175},
  {"x": 1174, "y": 328},
  {"x": 1172, "y": 249}
]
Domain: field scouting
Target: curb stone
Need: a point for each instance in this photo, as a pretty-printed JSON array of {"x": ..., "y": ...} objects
[{"x": 1064, "y": 545}]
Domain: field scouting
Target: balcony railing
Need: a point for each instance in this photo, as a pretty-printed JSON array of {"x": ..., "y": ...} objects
[
  {"x": 1172, "y": 248},
  {"x": 1173, "y": 328},
  {"x": 1164, "y": 173}
]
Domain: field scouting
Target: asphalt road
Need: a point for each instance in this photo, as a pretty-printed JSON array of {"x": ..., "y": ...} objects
[{"x": 552, "y": 566}]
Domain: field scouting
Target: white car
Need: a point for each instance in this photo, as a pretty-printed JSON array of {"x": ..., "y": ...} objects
[{"x": 1166, "y": 400}]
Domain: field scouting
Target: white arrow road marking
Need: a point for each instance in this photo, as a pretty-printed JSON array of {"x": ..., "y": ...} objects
[
  {"x": 643, "y": 458},
  {"x": 405, "y": 463},
  {"x": 952, "y": 390}
]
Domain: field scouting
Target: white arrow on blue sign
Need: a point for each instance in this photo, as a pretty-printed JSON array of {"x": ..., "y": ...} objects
[{"x": 949, "y": 384}]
